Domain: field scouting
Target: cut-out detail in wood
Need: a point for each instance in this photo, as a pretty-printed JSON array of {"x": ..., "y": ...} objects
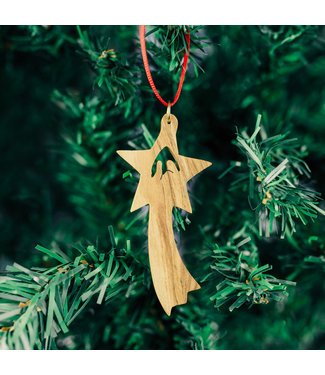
[{"x": 163, "y": 191}]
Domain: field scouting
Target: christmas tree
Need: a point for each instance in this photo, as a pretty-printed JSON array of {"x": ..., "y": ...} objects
[{"x": 74, "y": 261}]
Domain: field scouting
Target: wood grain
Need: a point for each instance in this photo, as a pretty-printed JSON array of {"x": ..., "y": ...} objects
[{"x": 163, "y": 191}]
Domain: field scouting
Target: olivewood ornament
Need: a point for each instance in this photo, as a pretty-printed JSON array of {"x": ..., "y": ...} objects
[{"x": 163, "y": 191}]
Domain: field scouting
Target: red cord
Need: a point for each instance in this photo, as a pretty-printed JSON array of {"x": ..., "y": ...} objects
[{"x": 147, "y": 68}]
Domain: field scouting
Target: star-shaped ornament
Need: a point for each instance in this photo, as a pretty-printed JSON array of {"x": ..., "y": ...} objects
[{"x": 163, "y": 191}]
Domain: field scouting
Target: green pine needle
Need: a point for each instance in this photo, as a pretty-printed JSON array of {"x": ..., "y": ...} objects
[
  {"x": 243, "y": 280},
  {"x": 53, "y": 297},
  {"x": 272, "y": 179}
]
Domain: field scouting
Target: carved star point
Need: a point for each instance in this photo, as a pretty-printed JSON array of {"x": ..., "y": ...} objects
[{"x": 135, "y": 158}]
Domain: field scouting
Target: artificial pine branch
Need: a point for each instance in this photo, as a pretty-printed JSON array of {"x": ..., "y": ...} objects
[
  {"x": 243, "y": 279},
  {"x": 169, "y": 45},
  {"x": 42, "y": 38},
  {"x": 39, "y": 304},
  {"x": 89, "y": 177},
  {"x": 118, "y": 77},
  {"x": 271, "y": 177}
]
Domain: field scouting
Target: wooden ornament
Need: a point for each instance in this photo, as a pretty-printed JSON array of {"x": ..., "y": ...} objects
[{"x": 163, "y": 191}]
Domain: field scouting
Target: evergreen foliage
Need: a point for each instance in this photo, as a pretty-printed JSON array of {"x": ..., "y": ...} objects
[
  {"x": 71, "y": 97},
  {"x": 52, "y": 298},
  {"x": 279, "y": 193}
]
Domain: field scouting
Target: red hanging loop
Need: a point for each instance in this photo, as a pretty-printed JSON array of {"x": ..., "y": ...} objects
[{"x": 147, "y": 68}]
